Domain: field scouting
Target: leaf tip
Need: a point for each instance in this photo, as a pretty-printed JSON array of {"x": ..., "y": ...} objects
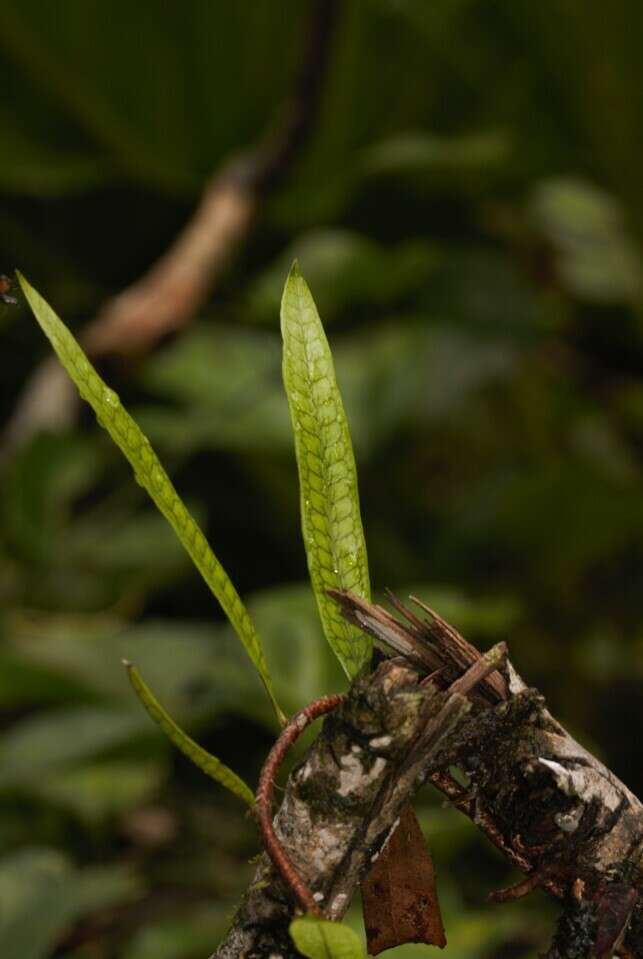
[
  {"x": 132, "y": 673},
  {"x": 295, "y": 275},
  {"x": 31, "y": 296}
]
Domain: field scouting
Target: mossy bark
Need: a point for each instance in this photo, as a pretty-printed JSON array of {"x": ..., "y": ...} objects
[
  {"x": 547, "y": 804},
  {"x": 343, "y": 800}
]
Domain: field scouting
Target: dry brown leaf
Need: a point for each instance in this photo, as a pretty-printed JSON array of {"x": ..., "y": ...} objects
[{"x": 399, "y": 896}]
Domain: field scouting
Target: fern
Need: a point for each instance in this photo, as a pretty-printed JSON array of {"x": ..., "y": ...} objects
[
  {"x": 148, "y": 471},
  {"x": 330, "y": 514}
]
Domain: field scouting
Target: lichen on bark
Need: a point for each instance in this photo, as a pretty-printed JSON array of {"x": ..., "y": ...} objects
[
  {"x": 343, "y": 799},
  {"x": 547, "y": 804}
]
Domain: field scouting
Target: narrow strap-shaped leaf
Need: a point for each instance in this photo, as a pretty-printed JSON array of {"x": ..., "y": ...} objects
[
  {"x": 322, "y": 939},
  {"x": 150, "y": 474},
  {"x": 331, "y": 522},
  {"x": 209, "y": 764}
]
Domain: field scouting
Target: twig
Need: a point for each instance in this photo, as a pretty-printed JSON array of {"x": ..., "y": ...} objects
[
  {"x": 480, "y": 669},
  {"x": 520, "y": 889}
]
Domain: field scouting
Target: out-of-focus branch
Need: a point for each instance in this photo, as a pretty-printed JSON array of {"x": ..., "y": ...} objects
[{"x": 172, "y": 291}]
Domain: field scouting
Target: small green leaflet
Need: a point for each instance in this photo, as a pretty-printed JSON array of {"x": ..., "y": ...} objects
[
  {"x": 210, "y": 765},
  {"x": 331, "y": 522},
  {"x": 322, "y": 939},
  {"x": 151, "y": 476}
]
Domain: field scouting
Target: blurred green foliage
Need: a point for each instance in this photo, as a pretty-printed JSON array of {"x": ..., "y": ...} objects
[{"x": 469, "y": 217}]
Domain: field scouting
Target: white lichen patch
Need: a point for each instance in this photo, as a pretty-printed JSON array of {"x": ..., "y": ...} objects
[
  {"x": 515, "y": 682},
  {"x": 339, "y": 902},
  {"x": 585, "y": 783},
  {"x": 318, "y": 897},
  {"x": 305, "y": 772},
  {"x": 569, "y": 821},
  {"x": 380, "y": 742},
  {"x": 350, "y": 774},
  {"x": 353, "y": 776},
  {"x": 560, "y": 773},
  {"x": 328, "y": 849}
]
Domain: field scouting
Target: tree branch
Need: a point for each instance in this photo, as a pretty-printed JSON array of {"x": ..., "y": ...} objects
[
  {"x": 342, "y": 801},
  {"x": 550, "y": 807}
]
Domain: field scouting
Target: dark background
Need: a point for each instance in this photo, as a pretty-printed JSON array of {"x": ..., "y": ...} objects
[{"x": 468, "y": 212}]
